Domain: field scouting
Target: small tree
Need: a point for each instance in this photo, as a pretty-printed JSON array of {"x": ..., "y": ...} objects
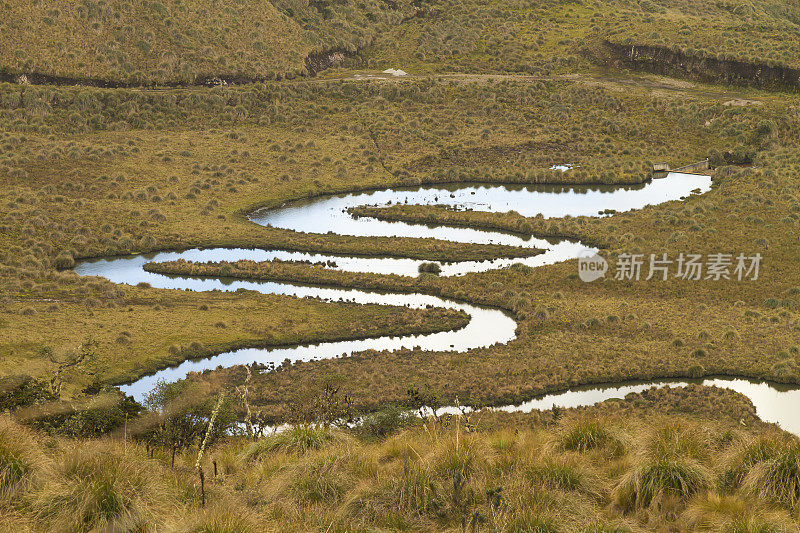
[{"x": 182, "y": 411}]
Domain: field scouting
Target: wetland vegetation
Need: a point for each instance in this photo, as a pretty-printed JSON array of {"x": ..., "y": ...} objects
[{"x": 128, "y": 128}]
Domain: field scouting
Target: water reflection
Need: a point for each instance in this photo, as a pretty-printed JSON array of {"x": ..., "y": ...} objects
[
  {"x": 321, "y": 215},
  {"x": 773, "y": 402}
]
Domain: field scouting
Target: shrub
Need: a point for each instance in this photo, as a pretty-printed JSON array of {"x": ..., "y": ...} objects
[
  {"x": 23, "y": 390},
  {"x": 385, "y": 422}
]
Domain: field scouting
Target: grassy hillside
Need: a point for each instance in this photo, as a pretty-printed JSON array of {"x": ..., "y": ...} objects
[
  {"x": 192, "y": 41},
  {"x": 146, "y": 42},
  {"x": 500, "y": 92},
  {"x": 624, "y": 466},
  {"x": 565, "y": 37}
]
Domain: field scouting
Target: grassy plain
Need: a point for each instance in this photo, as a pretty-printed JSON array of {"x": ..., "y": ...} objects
[
  {"x": 672, "y": 328},
  {"x": 92, "y": 172}
]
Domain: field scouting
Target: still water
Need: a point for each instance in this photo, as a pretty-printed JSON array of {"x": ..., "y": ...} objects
[{"x": 486, "y": 327}]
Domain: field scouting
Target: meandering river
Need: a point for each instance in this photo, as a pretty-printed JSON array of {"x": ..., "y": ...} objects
[{"x": 487, "y": 326}]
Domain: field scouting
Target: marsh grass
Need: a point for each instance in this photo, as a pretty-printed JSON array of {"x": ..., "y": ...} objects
[
  {"x": 21, "y": 461},
  {"x": 670, "y": 466},
  {"x": 102, "y": 486},
  {"x": 295, "y": 439},
  {"x": 777, "y": 478}
]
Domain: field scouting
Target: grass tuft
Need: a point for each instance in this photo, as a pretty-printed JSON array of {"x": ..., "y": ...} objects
[
  {"x": 99, "y": 486},
  {"x": 745, "y": 457},
  {"x": 586, "y": 435},
  {"x": 299, "y": 439},
  {"x": 651, "y": 483},
  {"x": 19, "y": 459},
  {"x": 777, "y": 478}
]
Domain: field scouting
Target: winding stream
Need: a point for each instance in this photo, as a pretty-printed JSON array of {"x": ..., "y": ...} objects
[{"x": 487, "y": 326}]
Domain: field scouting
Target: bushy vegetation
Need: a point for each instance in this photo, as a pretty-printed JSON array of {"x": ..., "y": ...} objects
[{"x": 498, "y": 472}]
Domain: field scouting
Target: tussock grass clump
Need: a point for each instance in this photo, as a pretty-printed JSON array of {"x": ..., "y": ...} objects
[
  {"x": 297, "y": 439},
  {"x": 652, "y": 482},
  {"x": 20, "y": 459},
  {"x": 430, "y": 268},
  {"x": 99, "y": 486},
  {"x": 586, "y": 435},
  {"x": 777, "y": 479},
  {"x": 734, "y": 514},
  {"x": 745, "y": 457},
  {"x": 670, "y": 466}
]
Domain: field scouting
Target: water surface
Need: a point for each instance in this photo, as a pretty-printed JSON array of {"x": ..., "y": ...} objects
[{"x": 486, "y": 327}]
